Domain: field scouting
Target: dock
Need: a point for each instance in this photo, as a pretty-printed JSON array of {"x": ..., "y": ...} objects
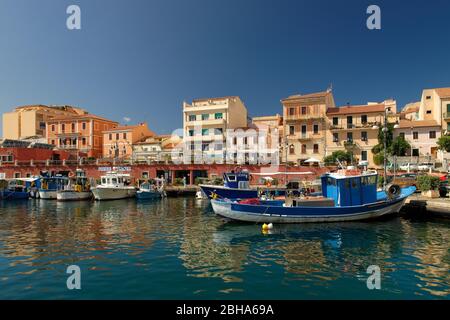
[
  {"x": 181, "y": 191},
  {"x": 420, "y": 205}
]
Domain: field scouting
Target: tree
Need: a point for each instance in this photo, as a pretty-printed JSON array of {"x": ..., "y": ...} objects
[
  {"x": 343, "y": 156},
  {"x": 444, "y": 143},
  {"x": 399, "y": 147}
]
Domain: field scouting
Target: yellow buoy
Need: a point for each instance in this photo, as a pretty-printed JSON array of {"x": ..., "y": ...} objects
[{"x": 265, "y": 227}]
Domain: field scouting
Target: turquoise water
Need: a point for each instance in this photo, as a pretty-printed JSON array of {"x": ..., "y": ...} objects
[{"x": 177, "y": 249}]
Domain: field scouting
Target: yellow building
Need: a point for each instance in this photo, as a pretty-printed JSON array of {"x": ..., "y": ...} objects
[
  {"x": 435, "y": 105},
  {"x": 118, "y": 142},
  {"x": 355, "y": 129},
  {"x": 304, "y": 122},
  {"x": 29, "y": 121},
  {"x": 205, "y": 125}
]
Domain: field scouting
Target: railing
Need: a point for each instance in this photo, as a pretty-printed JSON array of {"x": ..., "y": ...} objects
[
  {"x": 305, "y": 116},
  {"x": 446, "y": 115}
]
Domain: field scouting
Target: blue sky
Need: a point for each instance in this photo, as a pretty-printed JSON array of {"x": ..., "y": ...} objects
[{"x": 142, "y": 58}]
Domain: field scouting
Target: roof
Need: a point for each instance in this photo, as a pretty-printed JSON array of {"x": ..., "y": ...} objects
[
  {"x": 418, "y": 124},
  {"x": 217, "y": 98},
  {"x": 321, "y": 94},
  {"x": 443, "y": 92},
  {"x": 79, "y": 117},
  {"x": 122, "y": 128},
  {"x": 357, "y": 109}
]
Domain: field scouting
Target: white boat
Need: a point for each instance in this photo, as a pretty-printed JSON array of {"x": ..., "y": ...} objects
[
  {"x": 50, "y": 186},
  {"x": 77, "y": 189},
  {"x": 114, "y": 186}
]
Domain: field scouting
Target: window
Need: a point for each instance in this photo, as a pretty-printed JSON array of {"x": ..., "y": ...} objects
[
  {"x": 303, "y": 148},
  {"x": 350, "y": 137},
  {"x": 349, "y": 122},
  {"x": 83, "y": 125},
  {"x": 205, "y": 146},
  {"x": 7, "y": 158},
  {"x": 53, "y": 128},
  {"x": 415, "y": 135},
  {"x": 428, "y": 111},
  {"x": 110, "y": 136},
  {"x": 291, "y": 111},
  {"x": 191, "y": 133},
  {"x": 402, "y": 135},
  {"x": 291, "y": 149},
  {"x": 218, "y": 147},
  {"x": 335, "y": 137},
  {"x": 428, "y": 97},
  {"x": 316, "y": 129},
  {"x": 415, "y": 152},
  {"x": 145, "y": 175},
  {"x": 304, "y": 110},
  {"x": 205, "y": 116},
  {"x": 63, "y": 127},
  {"x": 316, "y": 148},
  {"x": 192, "y": 117},
  {"x": 331, "y": 181},
  {"x": 363, "y": 155},
  {"x": 218, "y": 131},
  {"x": 363, "y": 135},
  {"x": 117, "y": 136},
  {"x": 432, "y": 134},
  {"x": 124, "y": 135},
  {"x": 16, "y": 174},
  {"x": 205, "y": 132},
  {"x": 364, "y": 119},
  {"x": 73, "y": 127},
  {"x": 335, "y": 121},
  {"x": 218, "y": 116},
  {"x": 83, "y": 141},
  {"x": 291, "y": 130}
]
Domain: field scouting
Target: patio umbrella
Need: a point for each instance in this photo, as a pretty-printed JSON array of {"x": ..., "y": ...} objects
[{"x": 312, "y": 160}]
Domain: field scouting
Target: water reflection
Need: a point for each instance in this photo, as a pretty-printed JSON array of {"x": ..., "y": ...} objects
[{"x": 149, "y": 248}]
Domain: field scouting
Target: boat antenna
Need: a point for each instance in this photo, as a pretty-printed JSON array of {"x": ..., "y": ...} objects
[{"x": 339, "y": 163}]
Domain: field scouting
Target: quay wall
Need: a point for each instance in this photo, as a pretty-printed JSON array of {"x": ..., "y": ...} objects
[{"x": 171, "y": 171}]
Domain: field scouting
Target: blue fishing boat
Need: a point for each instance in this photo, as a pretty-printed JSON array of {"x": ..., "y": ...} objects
[
  {"x": 235, "y": 186},
  {"x": 50, "y": 186},
  {"x": 148, "y": 191},
  {"x": 347, "y": 195},
  {"x": 14, "y": 190}
]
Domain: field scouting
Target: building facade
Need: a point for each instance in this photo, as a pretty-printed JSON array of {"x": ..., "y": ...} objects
[
  {"x": 205, "y": 125},
  {"x": 157, "y": 148},
  {"x": 29, "y": 121},
  {"x": 79, "y": 134},
  {"x": 355, "y": 129},
  {"x": 118, "y": 142},
  {"x": 422, "y": 135},
  {"x": 304, "y": 126}
]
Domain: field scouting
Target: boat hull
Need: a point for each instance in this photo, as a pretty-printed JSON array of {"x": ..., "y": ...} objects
[
  {"x": 113, "y": 193},
  {"x": 229, "y": 193},
  {"x": 268, "y": 213},
  {"x": 47, "y": 194},
  {"x": 224, "y": 209},
  {"x": 147, "y": 195},
  {"x": 73, "y": 195},
  {"x": 13, "y": 195}
]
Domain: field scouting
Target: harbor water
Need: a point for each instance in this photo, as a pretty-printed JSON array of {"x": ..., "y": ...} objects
[{"x": 176, "y": 248}]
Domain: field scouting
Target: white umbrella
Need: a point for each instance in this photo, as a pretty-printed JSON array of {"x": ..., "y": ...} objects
[
  {"x": 268, "y": 178},
  {"x": 312, "y": 160}
]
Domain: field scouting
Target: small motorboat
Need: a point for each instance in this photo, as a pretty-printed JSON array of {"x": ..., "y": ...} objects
[
  {"x": 78, "y": 188},
  {"x": 235, "y": 186},
  {"x": 14, "y": 189},
  {"x": 347, "y": 195},
  {"x": 114, "y": 186},
  {"x": 148, "y": 191},
  {"x": 50, "y": 185}
]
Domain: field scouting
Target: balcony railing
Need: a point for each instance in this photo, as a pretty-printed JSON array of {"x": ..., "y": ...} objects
[
  {"x": 352, "y": 126},
  {"x": 446, "y": 115},
  {"x": 305, "y": 116}
]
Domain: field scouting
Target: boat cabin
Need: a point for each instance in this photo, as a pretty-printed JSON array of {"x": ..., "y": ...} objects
[
  {"x": 240, "y": 180},
  {"x": 112, "y": 179},
  {"x": 350, "y": 188}
]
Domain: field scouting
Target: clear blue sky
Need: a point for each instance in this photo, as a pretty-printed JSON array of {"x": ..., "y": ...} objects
[{"x": 141, "y": 58}]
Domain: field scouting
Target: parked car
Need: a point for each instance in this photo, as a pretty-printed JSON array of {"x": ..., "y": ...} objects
[
  {"x": 409, "y": 167},
  {"x": 426, "y": 166}
]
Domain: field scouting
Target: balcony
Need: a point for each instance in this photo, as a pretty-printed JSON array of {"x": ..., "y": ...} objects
[
  {"x": 354, "y": 126},
  {"x": 446, "y": 115},
  {"x": 208, "y": 122},
  {"x": 300, "y": 136},
  {"x": 309, "y": 116}
]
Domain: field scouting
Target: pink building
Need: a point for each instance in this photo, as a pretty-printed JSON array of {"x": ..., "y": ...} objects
[{"x": 422, "y": 135}]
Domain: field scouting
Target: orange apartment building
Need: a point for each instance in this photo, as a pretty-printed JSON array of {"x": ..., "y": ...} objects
[
  {"x": 118, "y": 142},
  {"x": 305, "y": 124},
  {"x": 79, "y": 133}
]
